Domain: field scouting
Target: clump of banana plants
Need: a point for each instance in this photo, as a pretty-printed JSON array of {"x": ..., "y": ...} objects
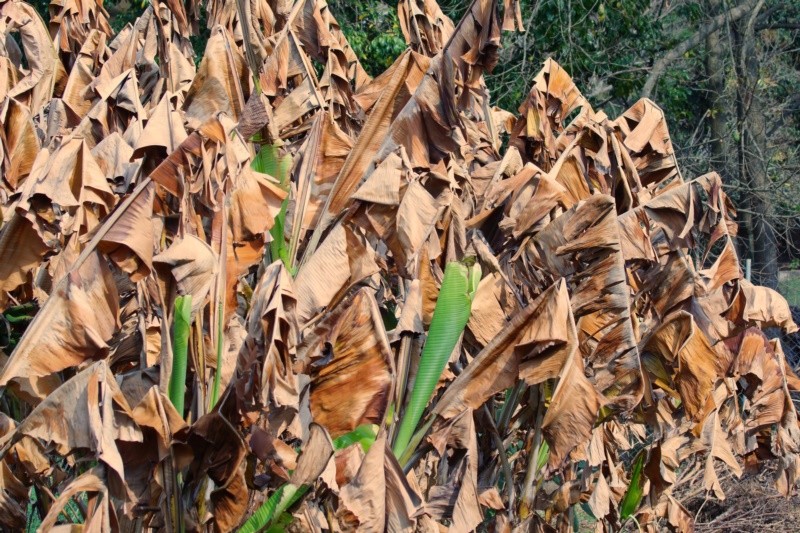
[{"x": 260, "y": 290}]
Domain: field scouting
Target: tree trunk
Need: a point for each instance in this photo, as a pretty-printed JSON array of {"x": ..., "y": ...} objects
[
  {"x": 717, "y": 106},
  {"x": 752, "y": 152}
]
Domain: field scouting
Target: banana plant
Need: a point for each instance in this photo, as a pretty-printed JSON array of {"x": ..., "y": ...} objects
[{"x": 450, "y": 317}]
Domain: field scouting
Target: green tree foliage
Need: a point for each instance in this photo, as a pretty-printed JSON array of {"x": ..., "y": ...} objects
[{"x": 373, "y": 31}]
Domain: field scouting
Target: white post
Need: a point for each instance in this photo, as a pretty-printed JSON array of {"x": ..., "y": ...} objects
[{"x": 748, "y": 268}]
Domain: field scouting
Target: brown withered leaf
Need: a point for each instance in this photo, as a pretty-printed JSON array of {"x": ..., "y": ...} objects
[
  {"x": 71, "y": 179},
  {"x": 129, "y": 242},
  {"x": 192, "y": 265},
  {"x": 391, "y": 90},
  {"x": 88, "y": 412},
  {"x": 588, "y": 235},
  {"x": 327, "y": 148},
  {"x": 350, "y": 364},
  {"x": 644, "y": 127},
  {"x": 715, "y": 440},
  {"x": 492, "y": 307},
  {"x": 222, "y": 83},
  {"x": 164, "y": 130},
  {"x": 575, "y": 405},
  {"x": 530, "y": 334},
  {"x": 219, "y": 453},
  {"x": 763, "y": 307},
  {"x": 425, "y": 28},
  {"x": 761, "y": 365},
  {"x": 344, "y": 259},
  {"x": 552, "y": 97},
  {"x": 694, "y": 365},
  {"x": 363, "y": 498},
  {"x": 13, "y": 492},
  {"x": 35, "y": 88},
  {"x": 425, "y": 121},
  {"x": 255, "y": 202},
  {"x": 612, "y": 318},
  {"x": 103, "y": 517},
  {"x": 21, "y": 250},
  {"x": 317, "y": 451},
  {"x": 74, "y": 326},
  {"x": 322, "y": 38},
  {"x": 293, "y": 103},
  {"x": 264, "y": 374},
  {"x": 19, "y": 142}
]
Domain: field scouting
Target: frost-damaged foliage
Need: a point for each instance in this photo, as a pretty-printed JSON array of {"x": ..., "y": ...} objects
[{"x": 296, "y": 218}]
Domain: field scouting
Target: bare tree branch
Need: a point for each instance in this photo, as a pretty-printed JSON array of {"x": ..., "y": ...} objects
[{"x": 699, "y": 37}]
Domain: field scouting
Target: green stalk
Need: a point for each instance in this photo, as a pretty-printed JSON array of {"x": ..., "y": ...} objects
[
  {"x": 449, "y": 319},
  {"x": 218, "y": 371},
  {"x": 181, "y": 325}
]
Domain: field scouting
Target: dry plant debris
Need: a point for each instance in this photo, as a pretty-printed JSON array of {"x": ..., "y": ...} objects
[{"x": 275, "y": 224}]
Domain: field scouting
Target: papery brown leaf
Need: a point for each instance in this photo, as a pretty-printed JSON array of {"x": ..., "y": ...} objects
[
  {"x": 552, "y": 97},
  {"x": 323, "y": 39},
  {"x": 763, "y": 307},
  {"x": 350, "y": 364},
  {"x": 76, "y": 324},
  {"x": 13, "y": 492},
  {"x": 164, "y": 130},
  {"x": 77, "y": 92},
  {"x": 193, "y": 265},
  {"x": 492, "y": 307},
  {"x": 264, "y": 373},
  {"x": 35, "y": 88},
  {"x": 588, "y": 233},
  {"x": 129, "y": 243},
  {"x": 255, "y": 202},
  {"x": 718, "y": 447},
  {"x": 425, "y": 120},
  {"x": 425, "y": 28},
  {"x": 646, "y": 136},
  {"x": 457, "y": 500},
  {"x": 222, "y": 83},
  {"x": 102, "y": 519},
  {"x": 695, "y": 365},
  {"x": 71, "y": 179},
  {"x": 393, "y": 91},
  {"x": 575, "y": 405},
  {"x": 363, "y": 498},
  {"x": 19, "y": 142},
  {"x": 343, "y": 260},
  {"x": 530, "y": 334},
  {"x": 321, "y": 160},
  {"x": 219, "y": 454},
  {"x": 88, "y": 412},
  {"x": 293, "y": 103},
  {"x": 21, "y": 250}
]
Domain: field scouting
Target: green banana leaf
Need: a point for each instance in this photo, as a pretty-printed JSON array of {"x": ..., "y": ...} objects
[
  {"x": 449, "y": 319},
  {"x": 635, "y": 493},
  {"x": 181, "y": 324},
  {"x": 269, "y": 161}
]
